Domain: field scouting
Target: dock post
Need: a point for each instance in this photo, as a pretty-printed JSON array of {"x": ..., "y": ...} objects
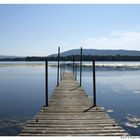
[
  {"x": 73, "y": 65},
  {"x": 58, "y": 59},
  {"x": 64, "y": 65},
  {"x": 80, "y": 66},
  {"x": 76, "y": 71},
  {"x": 61, "y": 69},
  {"x": 46, "y": 83},
  {"x": 94, "y": 84}
]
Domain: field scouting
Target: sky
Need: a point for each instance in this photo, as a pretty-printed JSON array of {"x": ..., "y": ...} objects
[{"x": 38, "y": 30}]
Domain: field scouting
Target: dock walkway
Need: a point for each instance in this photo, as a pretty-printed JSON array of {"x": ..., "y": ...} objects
[{"x": 67, "y": 115}]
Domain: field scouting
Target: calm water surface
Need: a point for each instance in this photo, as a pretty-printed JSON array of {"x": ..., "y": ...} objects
[{"x": 22, "y": 92}]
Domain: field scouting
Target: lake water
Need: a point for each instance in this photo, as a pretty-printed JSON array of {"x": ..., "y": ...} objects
[{"x": 22, "y": 92}]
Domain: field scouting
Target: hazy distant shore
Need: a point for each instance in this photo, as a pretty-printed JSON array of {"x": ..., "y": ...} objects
[{"x": 107, "y": 66}]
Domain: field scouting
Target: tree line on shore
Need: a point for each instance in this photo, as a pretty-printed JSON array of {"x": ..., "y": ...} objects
[{"x": 77, "y": 58}]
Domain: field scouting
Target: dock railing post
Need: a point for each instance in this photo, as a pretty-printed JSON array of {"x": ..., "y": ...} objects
[
  {"x": 94, "y": 83},
  {"x": 80, "y": 66},
  {"x": 58, "y": 66},
  {"x": 61, "y": 68},
  {"x": 73, "y": 65},
  {"x": 76, "y": 71},
  {"x": 46, "y": 79},
  {"x": 64, "y": 66}
]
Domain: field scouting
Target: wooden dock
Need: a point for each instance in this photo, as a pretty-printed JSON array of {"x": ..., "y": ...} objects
[{"x": 69, "y": 114}]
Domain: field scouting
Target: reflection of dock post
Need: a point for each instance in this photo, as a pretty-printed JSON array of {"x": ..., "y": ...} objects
[
  {"x": 94, "y": 84},
  {"x": 46, "y": 78}
]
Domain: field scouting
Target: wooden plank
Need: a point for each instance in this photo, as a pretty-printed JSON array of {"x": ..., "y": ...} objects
[
  {"x": 70, "y": 125},
  {"x": 74, "y": 121},
  {"x": 72, "y": 131},
  {"x": 66, "y": 115},
  {"x": 83, "y": 134}
]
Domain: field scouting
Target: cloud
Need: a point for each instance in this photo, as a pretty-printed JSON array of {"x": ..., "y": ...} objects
[{"x": 116, "y": 40}]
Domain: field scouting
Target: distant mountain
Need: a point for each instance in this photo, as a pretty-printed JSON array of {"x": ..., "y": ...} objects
[{"x": 99, "y": 52}]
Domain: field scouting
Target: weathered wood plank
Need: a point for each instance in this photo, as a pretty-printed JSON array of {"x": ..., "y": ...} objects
[
  {"x": 72, "y": 121},
  {"x": 83, "y": 134},
  {"x": 71, "y": 125},
  {"x": 72, "y": 131}
]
